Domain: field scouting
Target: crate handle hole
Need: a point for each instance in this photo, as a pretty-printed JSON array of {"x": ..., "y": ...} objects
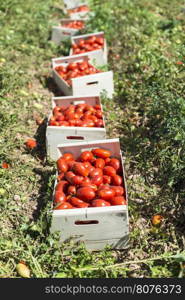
[
  {"x": 75, "y": 138},
  {"x": 91, "y": 83},
  {"x": 89, "y": 222}
]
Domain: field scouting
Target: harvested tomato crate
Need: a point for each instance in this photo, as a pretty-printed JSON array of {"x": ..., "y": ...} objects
[
  {"x": 81, "y": 14},
  {"x": 95, "y": 226},
  {"x": 98, "y": 57},
  {"x": 84, "y": 85},
  {"x": 61, "y": 32},
  {"x": 56, "y": 135}
]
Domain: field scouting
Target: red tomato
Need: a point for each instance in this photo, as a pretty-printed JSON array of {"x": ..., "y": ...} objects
[
  {"x": 107, "y": 160},
  {"x": 115, "y": 163},
  {"x": 79, "y": 169},
  {"x": 89, "y": 184},
  {"x": 100, "y": 163},
  {"x": 62, "y": 186},
  {"x": 69, "y": 176},
  {"x": 88, "y": 165},
  {"x": 31, "y": 144},
  {"x": 117, "y": 180},
  {"x": 65, "y": 205},
  {"x": 78, "y": 203},
  {"x": 62, "y": 165},
  {"x": 86, "y": 193},
  {"x": 77, "y": 180},
  {"x": 70, "y": 163},
  {"x": 106, "y": 179},
  {"x": 106, "y": 194},
  {"x": 109, "y": 171},
  {"x": 99, "y": 123},
  {"x": 59, "y": 197},
  {"x": 119, "y": 190},
  {"x": 102, "y": 153},
  {"x": 71, "y": 190},
  {"x": 68, "y": 156},
  {"x": 118, "y": 201},
  {"x": 99, "y": 114},
  {"x": 72, "y": 66},
  {"x": 86, "y": 156},
  {"x": 56, "y": 109},
  {"x": 86, "y": 180},
  {"x": 96, "y": 172},
  {"x": 97, "y": 180},
  {"x": 60, "y": 176},
  {"x": 100, "y": 203},
  {"x": 5, "y": 165}
]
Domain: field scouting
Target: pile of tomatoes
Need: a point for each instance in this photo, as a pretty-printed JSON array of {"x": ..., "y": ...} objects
[
  {"x": 90, "y": 44},
  {"x": 80, "y": 115},
  {"x": 92, "y": 180},
  {"x": 76, "y": 69},
  {"x": 74, "y": 24},
  {"x": 82, "y": 8}
]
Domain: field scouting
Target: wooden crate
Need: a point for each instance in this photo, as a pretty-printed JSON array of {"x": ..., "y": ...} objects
[
  {"x": 98, "y": 57},
  {"x": 84, "y": 85},
  {"x": 59, "y": 135},
  {"x": 61, "y": 33},
  {"x": 96, "y": 227}
]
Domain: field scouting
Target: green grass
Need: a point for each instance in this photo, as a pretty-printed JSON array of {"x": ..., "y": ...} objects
[{"x": 146, "y": 44}]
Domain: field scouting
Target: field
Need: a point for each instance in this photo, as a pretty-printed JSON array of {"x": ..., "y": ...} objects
[{"x": 147, "y": 54}]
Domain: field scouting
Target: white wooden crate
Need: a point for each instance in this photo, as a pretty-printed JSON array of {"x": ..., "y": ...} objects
[
  {"x": 72, "y": 3},
  {"x": 59, "y": 135},
  {"x": 61, "y": 33},
  {"x": 99, "y": 57},
  {"x": 101, "y": 225},
  {"x": 84, "y": 85}
]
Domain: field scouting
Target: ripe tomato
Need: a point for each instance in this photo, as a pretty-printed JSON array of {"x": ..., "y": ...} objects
[
  {"x": 106, "y": 179},
  {"x": 96, "y": 172},
  {"x": 97, "y": 180},
  {"x": 106, "y": 194},
  {"x": 62, "y": 186},
  {"x": 60, "y": 176},
  {"x": 86, "y": 180},
  {"x": 65, "y": 205},
  {"x": 88, "y": 165},
  {"x": 78, "y": 203},
  {"x": 5, "y": 165},
  {"x": 62, "y": 165},
  {"x": 119, "y": 190},
  {"x": 77, "y": 180},
  {"x": 71, "y": 190},
  {"x": 31, "y": 144},
  {"x": 69, "y": 177},
  {"x": 86, "y": 156},
  {"x": 59, "y": 197},
  {"x": 118, "y": 201},
  {"x": 89, "y": 184},
  {"x": 99, "y": 114},
  {"x": 117, "y": 180},
  {"x": 109, "y": 171},
  {"x": 100, "y": 203},
  {"x": 102, "y": 153},
  {"x": 79, "y": 169},
  {"x": 70, "y": 163},
  {"x": 115, "y": 163},
  {"x": 100, "y": 163},
  {"x": 68, "y": 156},
  {"x": 86, "y": 193},
  {"x": 72, "y": 66}
]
